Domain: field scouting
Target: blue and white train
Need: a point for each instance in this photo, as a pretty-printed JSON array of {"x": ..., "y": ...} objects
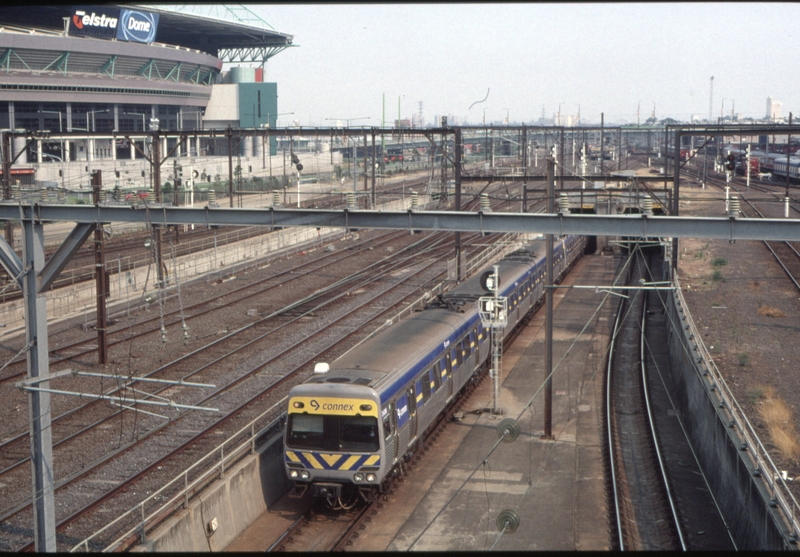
[{"x": 351, "y": 427}]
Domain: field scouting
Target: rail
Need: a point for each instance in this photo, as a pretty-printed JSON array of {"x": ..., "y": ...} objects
[{"x": 780, "y": 495}]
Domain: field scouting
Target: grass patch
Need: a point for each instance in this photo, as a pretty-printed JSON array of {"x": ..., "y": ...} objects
[
  {"x": 744, "y": 359},
  {"x": 778, "y": 418},
  {"x": 769, "y": 311},
  {"x": 716, "y": 276},
  {"x": 755, "y": 394},
  {"x": 719, "y": 262}
]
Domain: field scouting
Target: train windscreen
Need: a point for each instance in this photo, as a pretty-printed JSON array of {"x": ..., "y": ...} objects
[{"x": 333, "y": 433}]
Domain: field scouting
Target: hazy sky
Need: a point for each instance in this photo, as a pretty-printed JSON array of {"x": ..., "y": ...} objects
[{"x": 610, "y": 58}]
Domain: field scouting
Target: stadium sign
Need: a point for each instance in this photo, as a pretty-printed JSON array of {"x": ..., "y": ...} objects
[
  {"x": 137, "y": 26},
  {"x": 90, "y": 23},
  {"x": 110, "y": 23}
]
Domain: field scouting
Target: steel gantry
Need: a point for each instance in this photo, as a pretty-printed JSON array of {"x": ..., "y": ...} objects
[{"x": 34, "y": 275}]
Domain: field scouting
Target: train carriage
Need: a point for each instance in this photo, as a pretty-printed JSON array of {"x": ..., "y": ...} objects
[{"x": 354, "y": 422}]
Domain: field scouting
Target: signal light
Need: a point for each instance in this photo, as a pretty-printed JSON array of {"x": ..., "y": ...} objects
[{"x": 731, "y": 162}]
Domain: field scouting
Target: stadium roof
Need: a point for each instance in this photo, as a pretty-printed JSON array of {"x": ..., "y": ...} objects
[{"x": 230, "y": 41}]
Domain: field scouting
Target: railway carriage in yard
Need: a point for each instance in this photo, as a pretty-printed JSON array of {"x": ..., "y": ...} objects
[{"x": 353, "y": 424}]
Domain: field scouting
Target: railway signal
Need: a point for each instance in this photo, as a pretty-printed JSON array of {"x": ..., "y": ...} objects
[
  {"x": 731, "y": 162},
  {"x": 493, "y": 311},
  {"x": 747, "y": 163}
]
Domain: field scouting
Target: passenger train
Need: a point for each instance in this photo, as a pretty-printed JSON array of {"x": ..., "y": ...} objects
[
  {"x": 763, "y": 163},
  {"x": 353, "y": 424}
]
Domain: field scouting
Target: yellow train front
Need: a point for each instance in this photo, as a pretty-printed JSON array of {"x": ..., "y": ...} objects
[{"x": 332, "y": 441}]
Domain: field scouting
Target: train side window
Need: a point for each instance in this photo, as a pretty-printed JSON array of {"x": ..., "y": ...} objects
[
  {"x": 437, "y": 375},
  {"x": 453, "y": 359},
  {"x": 466, "y": 350},
  {"x": 426, "y": 385},
  {"x": 481, "y": 330}
]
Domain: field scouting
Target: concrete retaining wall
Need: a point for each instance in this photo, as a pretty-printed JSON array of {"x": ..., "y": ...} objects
[
  {"x": 246, "y": 492},
  {"x": 741, "y": 495}
]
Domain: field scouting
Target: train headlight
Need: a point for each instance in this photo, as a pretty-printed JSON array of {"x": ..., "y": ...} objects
[
  {"x": 304, "y": 475},
  {"x": 294, "y": 474},
  {"x": 371, "y": 477},
  {"x": 358, "y": 477}
]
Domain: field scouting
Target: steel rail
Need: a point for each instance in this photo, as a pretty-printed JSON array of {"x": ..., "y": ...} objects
[{"x": 651, "y": 421}]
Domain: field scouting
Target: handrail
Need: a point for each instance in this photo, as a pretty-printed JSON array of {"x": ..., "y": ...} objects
[
  {"x": 184, "y": 495},
  {"x": 781, "y": 495}
]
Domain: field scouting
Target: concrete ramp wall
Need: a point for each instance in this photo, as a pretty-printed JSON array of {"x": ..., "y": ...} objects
[
  {"x": 735, "y": 477},
  {"x": 234, "y": 503}
]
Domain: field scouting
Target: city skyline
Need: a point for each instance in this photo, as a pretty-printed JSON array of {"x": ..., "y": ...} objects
[{"x": 627, "y": 61}]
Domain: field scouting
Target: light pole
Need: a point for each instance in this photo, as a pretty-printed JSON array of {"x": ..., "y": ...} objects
[
  {"x": 559, "y": 113},
  {"x": 268, "y": 126},
  {"x": 90, "y": 142},
  {"x": 506, "y": 115},
  {"x": 144, "y": 126},
  {"x": 60, "y": 130},
  {"x": 348, "y": 120},
  {"x": 94, "y": 119},
  {"x": 579, "y": 113}
]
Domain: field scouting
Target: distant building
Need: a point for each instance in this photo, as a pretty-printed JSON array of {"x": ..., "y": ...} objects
[{"x": 773, "y": 109}]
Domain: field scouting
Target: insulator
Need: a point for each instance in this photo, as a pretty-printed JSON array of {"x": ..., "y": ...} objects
[
  {"x": 733, "y": 206},
  {"x": 563, "y": 203},
  {"x": 43, "y": 194},
  {"x": 62, "y": 196},
  {"x": 150, "y": 298},
  {"x": 163, "y": 335},
  {"x": 414, "y": 201},
  {"x": 485, "y": 206},
  {"x": 351, "y": 200},
  {"x": 276, "y": 199},
  {"x": 103, "y": 196},
  {"x": 212, "y": 196},
  {"x": 647, "y": 205}
]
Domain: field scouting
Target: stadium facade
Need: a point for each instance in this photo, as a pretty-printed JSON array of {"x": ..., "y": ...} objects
[{"x": 122, "y": 69}]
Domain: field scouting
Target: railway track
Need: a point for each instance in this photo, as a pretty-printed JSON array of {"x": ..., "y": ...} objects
[
  {"x": 101, "y": 468},
  {"x": 192, "y": 370},
  {"x": 645, "y": 516},
  {"x": 786, "y": 254},
  {"x": 250, "y": 373}
]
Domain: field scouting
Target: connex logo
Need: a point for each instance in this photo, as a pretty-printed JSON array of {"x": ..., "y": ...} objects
[{"x": 136, "y": 26}]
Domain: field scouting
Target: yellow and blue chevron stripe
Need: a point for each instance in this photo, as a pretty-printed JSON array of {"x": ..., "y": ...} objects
[{"x": 332, "y": 461}]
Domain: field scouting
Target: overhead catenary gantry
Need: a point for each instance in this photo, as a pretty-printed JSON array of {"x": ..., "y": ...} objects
[{"x": 34, "y": 274}]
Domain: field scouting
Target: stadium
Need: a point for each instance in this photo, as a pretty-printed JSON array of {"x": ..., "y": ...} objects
[{"x": 82, "y": 78}]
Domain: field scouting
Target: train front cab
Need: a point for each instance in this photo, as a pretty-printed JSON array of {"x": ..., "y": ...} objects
[{"x": 331, "y": 442}]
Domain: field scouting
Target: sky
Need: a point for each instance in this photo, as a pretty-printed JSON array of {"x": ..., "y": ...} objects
[{"x": 624, "y": 60}]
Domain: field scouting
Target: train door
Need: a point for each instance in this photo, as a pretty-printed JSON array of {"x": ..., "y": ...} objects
[
  {"x": 447, "y": 373},
  {"x": 390, "y": 432},
  {"x": 412, "y": 412}
]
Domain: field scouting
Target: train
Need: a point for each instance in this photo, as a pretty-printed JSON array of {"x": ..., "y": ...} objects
[{"x": 352, "y": 426}]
